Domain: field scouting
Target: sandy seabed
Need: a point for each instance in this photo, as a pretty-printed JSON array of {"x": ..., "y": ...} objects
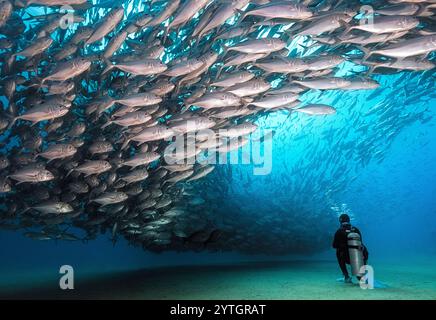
[{"x": 253, "y": 280}]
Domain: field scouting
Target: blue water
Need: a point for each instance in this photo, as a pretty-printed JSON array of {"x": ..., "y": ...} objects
[
  {"x": 392, "y": 201},
  {"x": 374, "y": 159}
]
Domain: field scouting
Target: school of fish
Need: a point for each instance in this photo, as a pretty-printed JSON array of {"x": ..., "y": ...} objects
[{"x": 96, "y": 93}]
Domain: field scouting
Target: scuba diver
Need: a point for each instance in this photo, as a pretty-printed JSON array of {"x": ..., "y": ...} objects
[{"x": 349, "y": 249}]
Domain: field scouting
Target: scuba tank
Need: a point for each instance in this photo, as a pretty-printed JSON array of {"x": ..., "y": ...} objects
[{"x": 355, "y": 250}]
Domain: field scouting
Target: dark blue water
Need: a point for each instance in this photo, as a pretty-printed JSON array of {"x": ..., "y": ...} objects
[{"x": 374, "y": 159}]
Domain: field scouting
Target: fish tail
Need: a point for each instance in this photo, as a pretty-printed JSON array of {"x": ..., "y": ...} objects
[
  {"x": 367, "y": 53},
  {"x": 126, "y": 143},
  {"x": 246, "y": 101},
  {"x": 347, "y": 30},
  {"x": 39, "y": 85},
  {"x": 371, "y": 70},
  {"x": 26, "y": 208},
  {"x": 11, "y": 124},
  {"x": 22, "y": 4},
  {"x": 338, "y": 3},
  {"x": 11, "y": 61},
  {"x": 39, "y": 82},
  {"x": 166, "y": 30},
  {"x": 106, "y": 124},
  {"x": 83, "y": 6},
  {"x": 243, "y": 15},
  {"x": 226, "y": 50},
  {"x": 110, "y": 67},
  {"x": 219, "y": 71},
  {"x": 307, "y": 48}
]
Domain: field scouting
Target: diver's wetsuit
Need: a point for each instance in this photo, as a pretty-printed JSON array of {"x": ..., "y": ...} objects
[{"x": 340, "y": 243}]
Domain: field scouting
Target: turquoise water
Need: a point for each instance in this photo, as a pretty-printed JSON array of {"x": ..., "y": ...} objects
[
  {"x": 279, "y": 280},
  {"x": 374, "y": 159}
]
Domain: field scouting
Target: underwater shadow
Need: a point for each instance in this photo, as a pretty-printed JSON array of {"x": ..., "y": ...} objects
[{"x": 132, "y": 284}]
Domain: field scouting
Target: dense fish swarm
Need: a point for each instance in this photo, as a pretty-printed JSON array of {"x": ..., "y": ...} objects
[{"x": 95, "y": 94}]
